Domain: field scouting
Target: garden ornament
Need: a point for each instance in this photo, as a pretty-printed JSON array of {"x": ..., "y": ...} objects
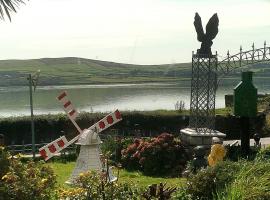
[
  {"x": 88, "y": 139},
  {"x": 217, "y": 140},
  {"x": 210, "y": 33},
  {"x": 199, "y": 161},
  {"x": 158, "y": 192},
  {"x": 257, "y": 138},
  {"x": 217, "y": 153}
]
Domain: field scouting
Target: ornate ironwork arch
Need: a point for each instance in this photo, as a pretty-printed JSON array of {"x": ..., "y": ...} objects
[
  {"x": 205, "y": 72},
  {"x": 243, "y": 59}
]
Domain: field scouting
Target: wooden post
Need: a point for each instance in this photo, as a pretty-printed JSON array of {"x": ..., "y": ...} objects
[
  {"x": 32, "y": 116},
  {"x": 245, "y": 135}
]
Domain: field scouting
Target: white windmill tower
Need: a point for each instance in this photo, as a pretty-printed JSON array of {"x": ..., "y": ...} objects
[{"x": 89, "y": 156}]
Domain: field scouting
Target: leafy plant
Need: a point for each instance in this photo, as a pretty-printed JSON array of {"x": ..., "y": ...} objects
[
  {"x": 93, "y": 185},
  {"x": 130, "y": 160},
  {"x": 162, "y": 155},
  {"x": 206, "y": 183},
  {"x": 114, "y": 145},
  {"x": 180, "y": 106},
  {"x": 159, "y": 192},
  {"x": 27, "y": 181},
  {"x": 182, "y": 194},
  {"x": 4, "y": 161},
  {"x": 9, "y": 6},
  {"x": 263, "y": 154}
]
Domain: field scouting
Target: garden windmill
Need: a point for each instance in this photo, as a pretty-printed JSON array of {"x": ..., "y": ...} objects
[{"x": 89, "y": 156}]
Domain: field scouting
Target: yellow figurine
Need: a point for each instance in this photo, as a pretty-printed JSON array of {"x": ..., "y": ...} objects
[{"x": 217, "y": 153}]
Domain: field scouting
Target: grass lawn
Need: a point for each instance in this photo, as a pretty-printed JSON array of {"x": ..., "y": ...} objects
[{"x": 63, "y": 171}]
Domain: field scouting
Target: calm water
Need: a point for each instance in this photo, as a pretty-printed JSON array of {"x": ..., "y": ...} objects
[{"x": 14, "y": 101}]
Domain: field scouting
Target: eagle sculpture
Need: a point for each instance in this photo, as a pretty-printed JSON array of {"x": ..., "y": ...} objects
[{"x": 206, "y": 38}]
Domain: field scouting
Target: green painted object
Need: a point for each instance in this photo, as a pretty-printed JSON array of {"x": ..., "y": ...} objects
[{"x": 245, "y": 97}]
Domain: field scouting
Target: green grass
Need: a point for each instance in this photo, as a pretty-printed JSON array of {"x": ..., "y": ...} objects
[
  {"x": 63, "y": 171},
  {"x": 252, "y": 182},
  {"x": 144, "y": 181}
]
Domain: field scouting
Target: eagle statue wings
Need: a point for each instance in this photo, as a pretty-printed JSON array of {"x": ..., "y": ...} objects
[{"x": 206, "y": 38}]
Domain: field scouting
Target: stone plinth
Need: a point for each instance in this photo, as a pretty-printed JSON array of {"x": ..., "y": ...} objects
[{"x": 191, "y": 137}]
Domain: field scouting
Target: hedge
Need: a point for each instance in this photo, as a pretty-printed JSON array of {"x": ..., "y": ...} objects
[{"x": 17, "y": 130}]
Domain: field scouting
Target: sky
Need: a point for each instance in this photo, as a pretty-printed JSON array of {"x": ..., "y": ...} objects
[{"x": 130, "y": 31}]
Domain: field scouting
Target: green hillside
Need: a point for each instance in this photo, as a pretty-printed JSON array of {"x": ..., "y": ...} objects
[
  {"x": 70, "y": 70},
  {"x": 61, "y": 71}
]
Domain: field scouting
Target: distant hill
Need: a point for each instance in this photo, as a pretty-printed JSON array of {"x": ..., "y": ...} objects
[{"x": 72, "y": 70}]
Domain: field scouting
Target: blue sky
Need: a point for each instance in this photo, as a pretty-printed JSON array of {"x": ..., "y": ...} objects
[{"x": 130, "y": 31}]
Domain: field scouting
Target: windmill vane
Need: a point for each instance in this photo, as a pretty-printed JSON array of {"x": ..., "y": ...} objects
[
  {"x": 61, "y": 143},
  {"x": 68, "y": 107},
  {"x": 54, "y": 147}
]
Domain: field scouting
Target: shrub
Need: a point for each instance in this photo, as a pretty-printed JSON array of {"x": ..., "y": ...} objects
[
  {"x": 263, "y": 154},
  {"x": 4, "y": 161},
  {"x": 246, "y": 180},
  {"x": 27, "y": 181},
  {"x": 92, "y": 185},
  {"x": 129, "y": 159},
  {"x": 206, "y": 183},
  {"x": 181, "y": 194},
  {"x": 162, "y": 155},
  {"x": 113, "y": 146}
]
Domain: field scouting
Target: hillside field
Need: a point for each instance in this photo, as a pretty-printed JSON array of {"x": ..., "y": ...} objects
[{"x": 74, "y": 71}]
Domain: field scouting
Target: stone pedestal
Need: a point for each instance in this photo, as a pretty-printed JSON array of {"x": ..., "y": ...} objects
[
  {"x": 88, "y": 159},
  {"x": 191, "y": 137}
]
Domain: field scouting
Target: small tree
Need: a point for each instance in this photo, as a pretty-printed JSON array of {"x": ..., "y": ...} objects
[{"x": 180, "y": 106}]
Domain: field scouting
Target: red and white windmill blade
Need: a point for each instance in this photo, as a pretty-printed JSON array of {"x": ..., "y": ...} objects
[{"x": 61, "y": 143}]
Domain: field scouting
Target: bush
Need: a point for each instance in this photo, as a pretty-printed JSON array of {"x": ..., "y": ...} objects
[
  {"x": 181, "y": 194},
  {"x": 129, "y": 159},
  {"x": 162, "y": 155},
  {"x": 27, "y": 181},
  {"x": 92, "y": 185},
  {"x": 4, "y": 161},
  {"x": 206, "y": 183},
  {"x": 246, "y": 180},
  {"x": 263, "y": 154},
  {"x": 113, "y": 146}
]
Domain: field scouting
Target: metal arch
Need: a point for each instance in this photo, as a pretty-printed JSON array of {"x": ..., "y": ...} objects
[
  {"x": 242, "y": 59},
  {"x": 204, "y": 83}
]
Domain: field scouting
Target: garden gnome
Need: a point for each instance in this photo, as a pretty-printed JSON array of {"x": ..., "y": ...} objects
[
  {"x": 199, "y": 161},
  {"x": 217, "y": 153}
]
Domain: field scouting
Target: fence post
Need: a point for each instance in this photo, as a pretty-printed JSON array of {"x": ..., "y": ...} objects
[
  {"x": 23, "y": 149},
  {"x": 12, "y": 148}
]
